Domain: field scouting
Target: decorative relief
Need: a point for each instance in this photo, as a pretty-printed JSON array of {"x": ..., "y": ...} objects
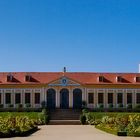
[{"x": 64, "y": 81}]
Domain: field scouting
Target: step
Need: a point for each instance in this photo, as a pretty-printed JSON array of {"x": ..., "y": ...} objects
[
  {"x": 65, "y": 114},
  {"x": 64, "y": 122}
]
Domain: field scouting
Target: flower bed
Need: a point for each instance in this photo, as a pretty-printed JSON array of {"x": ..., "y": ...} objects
[
  {"x": 21, "y": 123},
  {"x": 16, "y": 126},
  {"x": 20, "y": 134},
  {"x": 120, "y": 124},
  {"x": 108, "y": 130}
]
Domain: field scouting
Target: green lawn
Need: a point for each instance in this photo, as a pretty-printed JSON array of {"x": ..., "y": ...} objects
[
  {"x": 99, "y": 115},
  {"x": 31, "y": 115}
]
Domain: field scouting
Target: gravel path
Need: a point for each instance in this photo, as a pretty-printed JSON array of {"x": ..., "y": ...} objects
[{"x": 71, "y": 132}]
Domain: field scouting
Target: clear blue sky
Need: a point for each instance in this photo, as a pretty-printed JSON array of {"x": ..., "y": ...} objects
[{"x": 83, "y": 35}]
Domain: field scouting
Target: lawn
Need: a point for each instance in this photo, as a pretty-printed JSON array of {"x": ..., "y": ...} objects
[
  {"x": 100, "y": 115},
  {"x": 30, "y": 115}
]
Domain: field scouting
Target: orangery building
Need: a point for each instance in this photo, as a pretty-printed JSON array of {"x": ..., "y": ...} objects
[{"x": 69, "y": 89}]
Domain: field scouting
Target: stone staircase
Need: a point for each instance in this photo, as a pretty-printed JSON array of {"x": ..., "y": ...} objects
[{"x": 64, "y": 117}]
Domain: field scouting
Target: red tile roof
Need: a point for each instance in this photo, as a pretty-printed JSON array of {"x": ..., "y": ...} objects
[{"x": 85, "y": 78}]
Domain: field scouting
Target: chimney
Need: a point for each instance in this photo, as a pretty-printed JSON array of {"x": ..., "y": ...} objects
[{"x": 64, "y": 69}]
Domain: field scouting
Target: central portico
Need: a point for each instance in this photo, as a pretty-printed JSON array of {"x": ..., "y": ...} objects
[{"x": 64, "y": 93}]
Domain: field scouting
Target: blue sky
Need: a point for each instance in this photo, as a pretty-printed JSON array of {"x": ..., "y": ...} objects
[{"x": 83, "y": 35}]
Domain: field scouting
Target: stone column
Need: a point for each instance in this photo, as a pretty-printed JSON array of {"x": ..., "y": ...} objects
[
  {"x": 3, "y": 98},
  {"x": 23, "y": 98},
  {"x": 12, "y": 97},
  {"x": 105, "y": 99},
  {"x": 32, "y": 96},
  {"x": 115, "y": 99},
  {"x": 133, "y": 98},
  {"x": 84, "y": 92},
  {"x": 95, "y": 98},
  {"x": 70, "y": 98},
  {"x": 45, "y": 94},
  {"x": 58, "y": 98},
  {"x": 125, "y": 99}
]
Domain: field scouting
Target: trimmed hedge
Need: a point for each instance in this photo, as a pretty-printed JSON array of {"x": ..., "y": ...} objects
[{"x": 83, "y": 119}]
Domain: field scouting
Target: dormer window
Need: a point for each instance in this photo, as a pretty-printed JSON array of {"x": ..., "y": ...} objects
[
  {"x": 101, "y": 79},
  {"x": 27, "y": 78},
  {"x": 137, "y": 79},
  {"x": 9, "y": 78},
  {"x": 118, "y": 79}
]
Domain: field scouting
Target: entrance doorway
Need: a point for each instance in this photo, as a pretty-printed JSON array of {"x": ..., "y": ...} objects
[
  {"x": 51, "y": 93},
  {"x": 77, "y": 98},
  {"x": 64, "y": 98}
]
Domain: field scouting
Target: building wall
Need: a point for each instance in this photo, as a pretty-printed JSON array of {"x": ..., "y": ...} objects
[{"x": 85, "y": 90}]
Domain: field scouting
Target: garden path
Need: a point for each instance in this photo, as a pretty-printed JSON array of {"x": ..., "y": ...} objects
[{"x": 71, "y": 132}]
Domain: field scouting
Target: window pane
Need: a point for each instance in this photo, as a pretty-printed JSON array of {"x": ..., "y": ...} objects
[
  {"x": 37, "y": 98},
  {"x": 110, "y": 98},
  {"x": 120, "y": 98},
  {"x": 90, "y": 98},
  {"x": 129, "y": 98},
  {"x": 27, "y": 98},
  {"x": 138, "y": 98},
  {"x": 17, "y": 98},
  {"x": 100, "y": 98},
  {"x": 8, "y": 98}
]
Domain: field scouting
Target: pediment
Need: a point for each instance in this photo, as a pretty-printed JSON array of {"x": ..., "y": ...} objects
[{"x": 64, "y": 81}]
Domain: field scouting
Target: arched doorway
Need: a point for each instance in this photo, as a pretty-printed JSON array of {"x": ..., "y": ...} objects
[
  {"x": 51, "y": 93},
  {"x": 77, "y": 98},
  {"x": 64, "y": 98}
]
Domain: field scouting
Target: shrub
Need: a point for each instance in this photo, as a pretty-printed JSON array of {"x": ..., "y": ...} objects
[
  {"x": 129, "y": 106},
  {"x": 101, "y": 106},
  {"x": 28, "y": 105},
  {"x": 10, "y": 105},
  {"x": 43, "y": 104},
  {"x": 137, "y": 106},
  {"x": 90, "y": 118},
  {"x": 43, "y": 117},
  {"x": 84, "y": 104},
  {"x": 1, "y": 105},
  {"x": 44, "y": 111},
  {"x": 46, "y": 119},
  {"x": 83, "y": 119},
  {"x": 19, "y": 105},
  {"x": 120, "y": 105},
  {"x": 84, "y": 111},
  {"x": 110, "y": 105}
]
